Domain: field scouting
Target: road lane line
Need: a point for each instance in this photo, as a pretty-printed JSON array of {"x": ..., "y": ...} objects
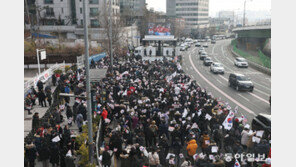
[
  {"x": 261, "y": 92},
  {"x": 243, "y": 97},
  {"x": 259, "y": 98},
  {"x": 262, "y": 86},
  {"x": 219, "y": 81},
  {"x": 226, "y": 55},
  {"x": 219, "y": 90}
]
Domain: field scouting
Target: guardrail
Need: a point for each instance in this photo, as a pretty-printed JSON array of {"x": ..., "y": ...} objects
[
  {"x": 44, "y": 76},
  {"x": 252, "y": 64},
  {"x": 98, "y": 142}
]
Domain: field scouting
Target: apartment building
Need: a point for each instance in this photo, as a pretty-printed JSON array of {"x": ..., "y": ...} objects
[
  {"x": 70, "y": 12},
  {"x": 195, "y": 12}
]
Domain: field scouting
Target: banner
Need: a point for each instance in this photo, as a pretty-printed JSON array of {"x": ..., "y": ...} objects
[
  {"x": 228, "y": 121},
  {"x": 43, "y": 55},
  {"x": 160, "y": 29}
]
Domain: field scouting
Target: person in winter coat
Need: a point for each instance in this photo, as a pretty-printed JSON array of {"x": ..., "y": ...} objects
[
  {"x": 41, "y": 98},
  {"x": 53, "y": 79},
  {"x": 49, "y": 97},
  {"x": 186, "y": 163},
  {"x": 205, "y": 141},
  {"x": 191, "y": 147},
  {"x": 54, "y": 154},
  {"x": 44, "y": 153},
  {"x": 28, "y": 104},
  {"x": 246, "y": 136},
  {"x": 153, "y": 158},
  {"x": 30, "y": 154},
  {"x": 40, "y": 85},
  {"x": 104, "y": 113},
  {"x": 69, "y": 160},
  {"x": 106, "y": 157},
  {"x": 35, "y": 121},
  {"x": 79, "y": 122}
]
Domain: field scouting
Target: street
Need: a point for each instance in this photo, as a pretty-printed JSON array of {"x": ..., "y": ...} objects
[{"x": 249, "y": 104}]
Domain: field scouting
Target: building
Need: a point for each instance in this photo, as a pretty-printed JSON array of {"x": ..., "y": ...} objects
[
  {"x": 134, "y": 6},
  {"x": 70, "y": 12},
  {"x": 195, "y": 12},
  {"x": 226, "y": 15},
  {"x": 64, "y": 19}
]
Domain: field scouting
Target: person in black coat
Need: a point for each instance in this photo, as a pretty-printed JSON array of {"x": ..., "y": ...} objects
[
  {"x": 42, "y": 97},
  {"x": 30, "y": 155},
  {"x": 106, "y": 158},
  {"x": 35, "y": 121},
  {"x": 40, "y": 85},
  {"x": 54, "y": 154},
  {"x": 44, "y": 153},
  {"x": 53, "y": 79}
]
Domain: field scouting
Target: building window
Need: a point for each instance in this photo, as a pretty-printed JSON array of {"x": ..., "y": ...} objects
[
  {"x": 93, "y": 1},
  {"x": 49, "y": 12},
  {"x": 94, "y": 23},
  {"x": 80, "y": 10},
  {"x": 61, "y": 0},
  {"x": 48, "y": 1},
  {"x": 81, "y": 22},
  {"x": 93, "y": 11},
  {"x": 62, "y": 10}
]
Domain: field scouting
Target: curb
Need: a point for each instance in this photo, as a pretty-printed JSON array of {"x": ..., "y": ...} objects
[{"x": 252, "y": 64}]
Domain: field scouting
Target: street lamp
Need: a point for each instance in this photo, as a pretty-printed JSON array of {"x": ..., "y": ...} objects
[
  {"x": 244, "y": 21},
  {"x": 88, "y": 91}
]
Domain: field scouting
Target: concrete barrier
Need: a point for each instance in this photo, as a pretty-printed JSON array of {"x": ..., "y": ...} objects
[{"x": 252, "y": 64}]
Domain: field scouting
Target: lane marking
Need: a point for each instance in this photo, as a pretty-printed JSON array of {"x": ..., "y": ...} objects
[
  {"x": 219, "y": 81},
  {"x": 219, "y": 90},
  {"x": 262, "y": 86},
  {"x": 261, "y": 92},
  {"x": 259, "y": 97},
  {"x": 243, "y": 97}
]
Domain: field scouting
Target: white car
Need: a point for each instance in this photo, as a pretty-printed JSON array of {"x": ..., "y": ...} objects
[
  {"x": 201, "y": 50},
  {"x": 217, "y": 68},
  {"x": 241, "y": 62},
  {"x": 205, "y": 45}
]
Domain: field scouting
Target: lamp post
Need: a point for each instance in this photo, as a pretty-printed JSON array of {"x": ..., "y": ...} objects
[
  {"x": 110, "y": 34},
  {"x": 244, "y": 19},
  {"x": 88, "y": 93}
]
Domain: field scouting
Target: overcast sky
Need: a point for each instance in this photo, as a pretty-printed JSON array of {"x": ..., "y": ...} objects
[{"x": 218, "y": 5}]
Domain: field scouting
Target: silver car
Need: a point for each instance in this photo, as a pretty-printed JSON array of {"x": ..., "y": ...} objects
[{"x": 217, "y": 68}]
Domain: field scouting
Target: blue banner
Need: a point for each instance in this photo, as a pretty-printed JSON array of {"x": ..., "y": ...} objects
[{"x": 97, "y": 57}]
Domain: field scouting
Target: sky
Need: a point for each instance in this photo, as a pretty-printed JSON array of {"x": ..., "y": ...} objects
[{"x": 218, "y": 5}]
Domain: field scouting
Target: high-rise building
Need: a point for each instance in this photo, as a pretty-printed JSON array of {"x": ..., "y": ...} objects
[
  {"x": 195, "y": 12},
  {"x": 134, "y": 6},
  {"x": 70, "y": 12}
]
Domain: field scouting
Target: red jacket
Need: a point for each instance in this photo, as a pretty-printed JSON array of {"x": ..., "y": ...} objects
[{"x": 104, "y": 114}]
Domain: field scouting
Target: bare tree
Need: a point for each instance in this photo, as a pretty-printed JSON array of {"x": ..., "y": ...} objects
[{"x": 119, "y": 38}]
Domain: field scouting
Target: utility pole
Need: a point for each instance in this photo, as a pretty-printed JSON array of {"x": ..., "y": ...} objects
[
  {"x": 88, "y": 93},
  {"x": 244, "y": 19},
  {"x": 110, "y": 34}
]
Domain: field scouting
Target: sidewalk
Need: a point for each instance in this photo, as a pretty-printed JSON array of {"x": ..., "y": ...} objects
[{"x": 42, "y": 111}]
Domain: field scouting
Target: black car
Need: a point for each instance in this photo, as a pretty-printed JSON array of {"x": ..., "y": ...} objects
[
  {"x": 208, "y": 61},
  {"x": 262, "y": 122},
  {"x": 240, "y": 82}
]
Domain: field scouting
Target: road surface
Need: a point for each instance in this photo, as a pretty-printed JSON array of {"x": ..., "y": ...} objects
[{"x": 250, "y": 104}]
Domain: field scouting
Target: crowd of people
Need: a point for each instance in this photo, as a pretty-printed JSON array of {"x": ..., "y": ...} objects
[
  {"x": 153, "y": 114},
  {"x": 156, "y": 115},
  {"x": 53, "y": 143}
]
